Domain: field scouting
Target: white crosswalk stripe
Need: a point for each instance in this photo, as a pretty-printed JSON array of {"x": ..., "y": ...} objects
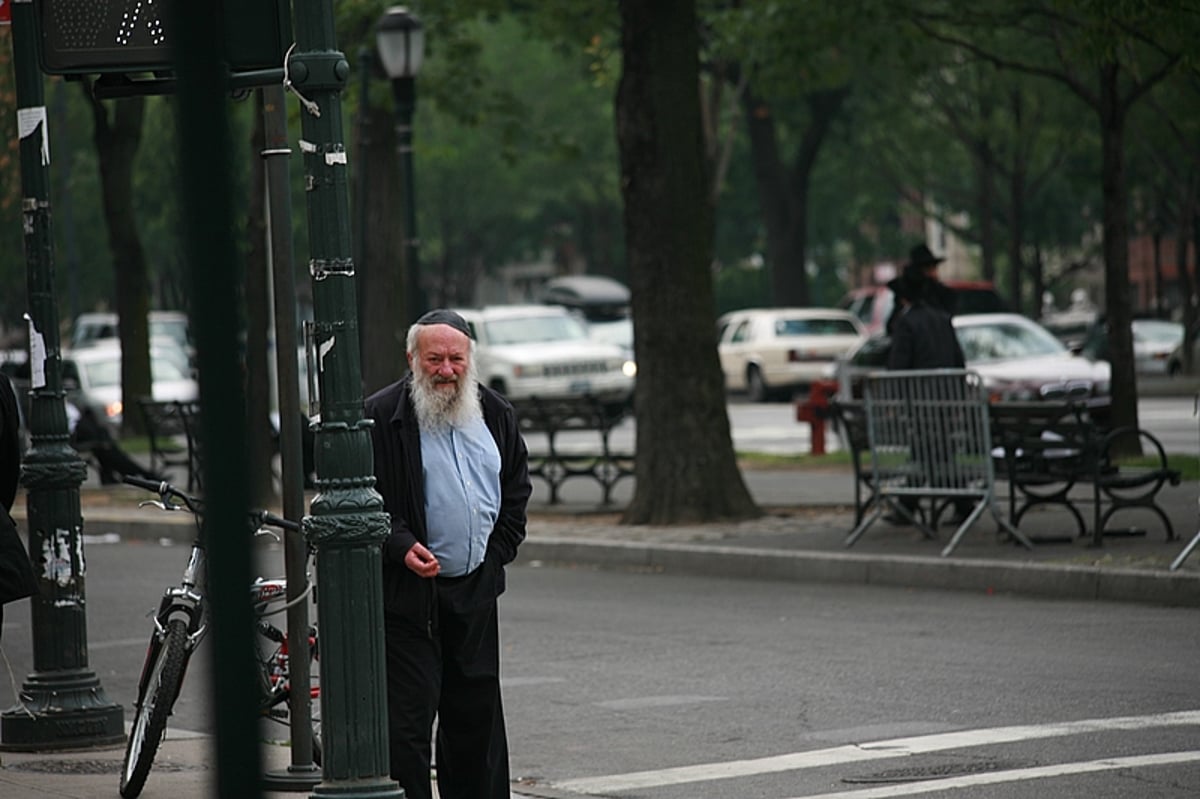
[{"x": 873, "y": 750}]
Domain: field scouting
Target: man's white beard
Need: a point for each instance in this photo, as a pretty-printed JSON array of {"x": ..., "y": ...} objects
[{"x": 438, "y": 408}]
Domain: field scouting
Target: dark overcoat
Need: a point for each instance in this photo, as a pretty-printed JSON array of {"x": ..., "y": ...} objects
[
  {"x": 17, "y": 579},
  {"x": 396, "y": 439}
]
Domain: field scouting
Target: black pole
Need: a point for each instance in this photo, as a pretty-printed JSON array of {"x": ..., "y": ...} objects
[
  {"x": 301, "y": 773},
  {"x": 61, "y": 704},
  {"x": 404, "y": 90},
  {"x": 214, "y": 268}
]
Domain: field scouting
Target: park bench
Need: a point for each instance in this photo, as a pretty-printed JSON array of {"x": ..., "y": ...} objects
[
  {"x": 1044, "y": 449},
  {"x": 173, "y": 431},
  {"x": 570, "y": 438}
]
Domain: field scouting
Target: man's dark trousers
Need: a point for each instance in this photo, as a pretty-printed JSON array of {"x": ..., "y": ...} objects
[{"x": 448, "y": 666}]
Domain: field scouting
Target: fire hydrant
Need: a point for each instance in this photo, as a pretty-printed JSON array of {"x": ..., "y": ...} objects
[{"x": 814, "y": 409}]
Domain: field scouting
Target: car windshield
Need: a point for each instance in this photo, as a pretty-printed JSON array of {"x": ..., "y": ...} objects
[
  {"x": 999, "y": 341},
  {"x": 815, "y": 327},
  {"x": 534, "y": 330}
]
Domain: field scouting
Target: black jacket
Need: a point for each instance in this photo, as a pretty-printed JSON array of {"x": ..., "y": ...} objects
[
  {"x": 396, "y": 438},
  {"x": 17, "y": 579},
  {"x": 923, "y": 338}
]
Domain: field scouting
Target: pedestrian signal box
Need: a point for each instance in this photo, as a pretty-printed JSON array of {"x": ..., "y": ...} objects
[{"x": 127, "y": 36}]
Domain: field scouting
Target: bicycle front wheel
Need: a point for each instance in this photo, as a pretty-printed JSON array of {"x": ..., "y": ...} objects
[{"x": 154, "y": 706}]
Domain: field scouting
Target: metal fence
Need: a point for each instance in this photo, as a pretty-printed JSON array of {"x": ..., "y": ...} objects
[{"x": 931, "y": 449}]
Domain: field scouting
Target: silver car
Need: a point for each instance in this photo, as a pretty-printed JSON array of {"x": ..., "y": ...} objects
[{"x": 1017, "y": 358}]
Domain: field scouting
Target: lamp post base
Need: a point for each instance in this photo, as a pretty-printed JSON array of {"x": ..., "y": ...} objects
[
  {"x": 293, "y": 778},
  {"x": 63, "y": 711}
]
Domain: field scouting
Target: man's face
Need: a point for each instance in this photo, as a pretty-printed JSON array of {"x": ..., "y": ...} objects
[{"x": 442, "y": 356}]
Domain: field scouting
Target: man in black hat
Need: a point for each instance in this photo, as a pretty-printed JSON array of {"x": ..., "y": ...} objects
[
  {"x": 452, "y": 468},
  {"x": 921, "y": 331},
  {"x": 922, "y": 338}
]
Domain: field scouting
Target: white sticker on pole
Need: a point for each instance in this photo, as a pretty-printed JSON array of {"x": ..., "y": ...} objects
[
  {"x": 37, "y": 356},
  {"x": 28, "y": 120}
]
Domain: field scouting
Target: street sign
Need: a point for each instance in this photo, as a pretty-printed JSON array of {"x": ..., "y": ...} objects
[{"x": 131, "y": 36}]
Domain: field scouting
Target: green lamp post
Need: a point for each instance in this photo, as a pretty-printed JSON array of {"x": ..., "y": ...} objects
[
  {"x": 400, "y": 39},
  {"x": 347, "y": 523},
  {"x": 62, "y": 704}
]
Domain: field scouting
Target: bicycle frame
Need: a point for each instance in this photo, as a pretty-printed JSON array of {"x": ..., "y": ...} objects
[{"x": 180, "y": 624}]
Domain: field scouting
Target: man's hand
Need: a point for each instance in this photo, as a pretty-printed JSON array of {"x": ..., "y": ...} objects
[{"x": 421, "y": 561}]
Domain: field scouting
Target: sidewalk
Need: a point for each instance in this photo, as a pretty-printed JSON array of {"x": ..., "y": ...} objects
[{"x": 807, "y": 514}]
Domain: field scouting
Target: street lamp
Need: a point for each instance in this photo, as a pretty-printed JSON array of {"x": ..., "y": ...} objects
[{"x": 400, "y": 39}]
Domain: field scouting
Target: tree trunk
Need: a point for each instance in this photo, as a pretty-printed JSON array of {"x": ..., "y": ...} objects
[
  {"x": 381, "y": 264},
  {"x": 259, "y": 448},
  {"x": 686, "y": 468},
  {"x": 117, "y": 144},
  {"x": 783, "y": 191},
  {"x": 1118, "y": 306},
  {"x": 985, "y": 203},
  {"x": 1016, "y": 238}
]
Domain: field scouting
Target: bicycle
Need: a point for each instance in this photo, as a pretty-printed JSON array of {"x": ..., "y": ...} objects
[{"x": 180, "y": 625}]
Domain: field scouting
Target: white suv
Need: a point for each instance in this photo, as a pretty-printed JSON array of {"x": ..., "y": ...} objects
[{"x": 544, "y": 351}]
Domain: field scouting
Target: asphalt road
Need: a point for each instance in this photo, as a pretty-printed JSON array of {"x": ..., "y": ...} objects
[
  {"x": 662, "y": 687},
  {"x": 772, "y": 427}
]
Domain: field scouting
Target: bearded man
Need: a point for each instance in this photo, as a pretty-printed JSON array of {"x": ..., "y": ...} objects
[{"x": 452, "y": 468}]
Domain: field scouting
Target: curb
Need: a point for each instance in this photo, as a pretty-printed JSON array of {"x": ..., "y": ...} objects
[
  {"x": 977, "y": 575},
  {"x": 1065, "y": 581}
]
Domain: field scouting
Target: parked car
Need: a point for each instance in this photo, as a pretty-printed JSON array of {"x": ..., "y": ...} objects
[
  {"x": 544, "y": 351},
  {"x": 1175, "y": 362},
  {"x": 873, "y": 304},
  {"x": 1017, "y": 358},
  {"x": 91, "y": 328},
  {"x": 602, "y": 302},
  {"x": 92, "y": 378},
  {"x": 769, "y": 351},
  {"x": 1154, "y": 342},
  {"x": 596, "y": 297}
]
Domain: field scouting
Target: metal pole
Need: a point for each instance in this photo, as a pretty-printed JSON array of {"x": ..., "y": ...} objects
[
  {"x": 404, "y": 90},
  {"x": 347, "y": 522},
  {"x": 301, "y": 774},
  {"x": 62, "y": 704}
]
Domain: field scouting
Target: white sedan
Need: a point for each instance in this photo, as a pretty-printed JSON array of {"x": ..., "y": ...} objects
[
  {"x": 92, "y": 378},
  {"x": 768, "y": 351}
]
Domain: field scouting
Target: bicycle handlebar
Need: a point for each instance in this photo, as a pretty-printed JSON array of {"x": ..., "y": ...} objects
[
  {"x": 266, "y": 517},
  {"x": 167, "y": 491}
]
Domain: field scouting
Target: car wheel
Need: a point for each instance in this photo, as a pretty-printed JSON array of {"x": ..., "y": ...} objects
[{"x": 756, "y": 387}]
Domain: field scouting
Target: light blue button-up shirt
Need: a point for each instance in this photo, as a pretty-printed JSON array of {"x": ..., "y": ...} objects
[{"x": 462, "y": 494}]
